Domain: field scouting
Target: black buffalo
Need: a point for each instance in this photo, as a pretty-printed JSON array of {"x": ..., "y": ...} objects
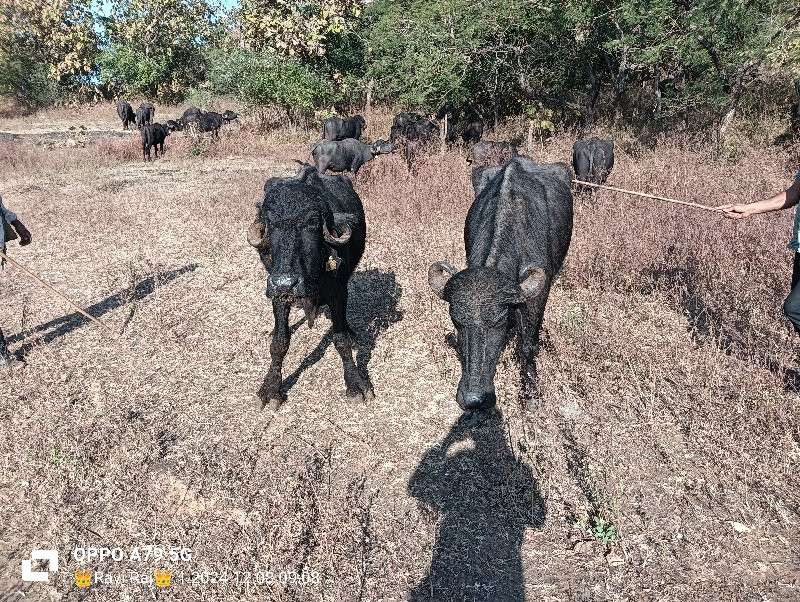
[
  {"x": 336, "y": 128},
  {"x": 126, "y": 114},
  {"x": 473, "y": 132},
  {"x": 412, "y": 132},
  {"x": 310, "y": 234},
  {"x": 516, "y": 236},
  {"x": 173, "y": 125},
  {"x": 191, "y": 115},
  {"x": 145, "y": 114},
  {"x": 228, "y": 116},
  {"x": 347, "y": 155},
  {"x": 211, "y": 122},
  {"x": 488, "y": 152},
  {"x": 593, "y": 159},
  {"x": 153, "y": 136}
]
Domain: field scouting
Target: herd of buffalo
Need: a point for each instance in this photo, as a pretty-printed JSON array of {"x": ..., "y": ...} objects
[
  {"x": 154, "y": 134},
  {"x": 310, "y": 234}
]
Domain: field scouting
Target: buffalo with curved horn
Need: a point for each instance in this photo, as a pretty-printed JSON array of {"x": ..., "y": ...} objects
[{"x": 310, "y": 233}]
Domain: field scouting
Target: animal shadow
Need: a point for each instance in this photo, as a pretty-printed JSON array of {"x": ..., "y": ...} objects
[
  {"x": 59, "y": 327},
  {"x": 371, "y": 308},
  {"x": 486, "y": 498}
]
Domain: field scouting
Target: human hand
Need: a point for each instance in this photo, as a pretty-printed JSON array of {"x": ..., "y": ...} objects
[
  {"x": 24, "y": 234},
  {"x": 736, "y": 211}
]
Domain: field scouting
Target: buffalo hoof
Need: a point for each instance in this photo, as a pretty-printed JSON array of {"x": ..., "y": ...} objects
[
  {"x": 261, "y": 403},
  {"x": 359, "y": 396}
]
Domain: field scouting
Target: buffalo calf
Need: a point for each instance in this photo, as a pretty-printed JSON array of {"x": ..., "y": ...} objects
[
  {"x": 145, "y": 114},
  {"x": 153, "y": 136},
  {"x": 309, "y": 233},
  {"x": 126, "y": 114},
  {"x": 592, "y": 160}
]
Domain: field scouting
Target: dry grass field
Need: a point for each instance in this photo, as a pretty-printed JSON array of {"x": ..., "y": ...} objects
[{"x": 659, "y": 462}]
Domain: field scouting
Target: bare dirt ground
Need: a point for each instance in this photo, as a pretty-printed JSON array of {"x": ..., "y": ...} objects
[{"x": 659, "y": 462}]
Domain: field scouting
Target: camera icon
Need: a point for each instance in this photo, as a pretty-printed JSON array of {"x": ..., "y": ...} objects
[{"x": 51, "y": 556}]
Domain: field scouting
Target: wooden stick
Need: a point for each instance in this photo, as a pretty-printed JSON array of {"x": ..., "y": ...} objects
[
  {"x": 649, "y": 196},
  {"x": 43, "y": 284}
]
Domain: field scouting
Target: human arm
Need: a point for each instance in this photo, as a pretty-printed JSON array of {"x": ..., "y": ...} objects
[
  {"x": 783, "y": 200},
  {"x": 24, "y": 233}
]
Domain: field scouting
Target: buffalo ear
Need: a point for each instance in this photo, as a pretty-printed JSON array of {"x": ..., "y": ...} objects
[
  {"x": 343, "y": 223},
  {"x": 438, "y": 276},
  {"x": 533, "y": 280}
]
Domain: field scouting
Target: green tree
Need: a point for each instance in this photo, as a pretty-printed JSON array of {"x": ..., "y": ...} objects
[
  {"x": 261, "y": 78},
  {"x": 45, "y": 46},
  {"x": 156, "y": 47},
  {"x": 295, "y": 28}
]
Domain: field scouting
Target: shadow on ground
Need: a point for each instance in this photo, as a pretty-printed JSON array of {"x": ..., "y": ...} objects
[
  {"x": 64, "y": 325},
  {"x": 371, "y": 308},
  {"x": 706, "y": 321},
  {"x": 485, "y": 498}
]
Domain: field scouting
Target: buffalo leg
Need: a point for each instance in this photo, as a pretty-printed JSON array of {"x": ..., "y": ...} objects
[
  {"x": 528, "y": 346},
  {"x": 270, "y": 391},
  {"x": 358, "y": 387}
]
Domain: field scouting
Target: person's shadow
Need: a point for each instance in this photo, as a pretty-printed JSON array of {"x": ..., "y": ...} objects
[
  {"x": 486, "y": 498},
  {"x": 372, "y": 302}
]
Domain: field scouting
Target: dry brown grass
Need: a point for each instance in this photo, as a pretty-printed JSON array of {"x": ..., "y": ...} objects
[{"x": 668, "y": 405}]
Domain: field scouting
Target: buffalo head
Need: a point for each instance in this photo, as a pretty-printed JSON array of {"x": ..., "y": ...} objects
[
  {"x": 297, "y": 236},
  {"x": 481, "y": 302},
  {"x": 381, "y": 147}
]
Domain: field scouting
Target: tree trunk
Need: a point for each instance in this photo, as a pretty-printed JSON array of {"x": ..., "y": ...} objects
[{"x": 368, "y": 108}]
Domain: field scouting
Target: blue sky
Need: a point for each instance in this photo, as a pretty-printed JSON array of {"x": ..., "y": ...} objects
[{"x": 104, "y": 6}]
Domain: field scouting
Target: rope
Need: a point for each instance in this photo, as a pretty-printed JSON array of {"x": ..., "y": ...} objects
[
  {"x": 46, "y": 286},
  {"x": 649, "y": 196}
]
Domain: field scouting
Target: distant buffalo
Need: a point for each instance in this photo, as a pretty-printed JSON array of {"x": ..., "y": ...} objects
[
  {"x": 516, "y": 236},
  {"x": 126, "y": 114},
  {"x": 153, "y": 136},
  {"x": 347, "y": 155},
  {"x": 173, "y": 125},
  {"x": 145, "y": 114},
  {"x": 592, "y": 160},
  {"x": 310, "y": 234},
  {"x": 336, "y": 128},
  {"x": 412, "y": 132},
  {"x": 190, "y": 116},
  {"x": 211, "y": 122},
  {"x": 489, "y": 152},
  {"x": 473, "y": 132}
]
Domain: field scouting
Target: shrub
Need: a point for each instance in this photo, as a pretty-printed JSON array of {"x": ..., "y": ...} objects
[{"x": 262, "y": 78}]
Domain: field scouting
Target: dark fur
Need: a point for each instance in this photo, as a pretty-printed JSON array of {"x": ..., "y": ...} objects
[
  {"x": 412, "y": 132},
  {"x": 153, "y": 136},
  {"x": 211, "y": 122},
  {"x": 488, "y": 152},
  {"x": 126, "y": 114},
  {"x": 347, "y": 155},
  {"x": 173, "y": 126},
  {"x": 473, "y": 132},
  {"x": 517, "y": 231},
  {"x": 593, "y": 159},
  {"x": 191, "y": 115},
  {"x": 145, "y": 114},
  {"x": 336, "y": 128},
  {"x": 298, "y": 262}
]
